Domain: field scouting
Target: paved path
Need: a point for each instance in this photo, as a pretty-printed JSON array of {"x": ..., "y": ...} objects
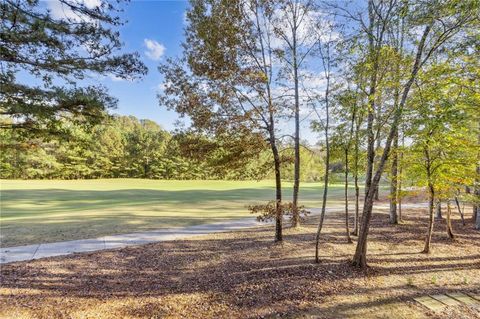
[
  {"x": 438, "y": 303},
  {"x": 29, "y": 252}
]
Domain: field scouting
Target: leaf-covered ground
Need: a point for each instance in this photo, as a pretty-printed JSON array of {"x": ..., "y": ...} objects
[{"x": 246, "y": 275}]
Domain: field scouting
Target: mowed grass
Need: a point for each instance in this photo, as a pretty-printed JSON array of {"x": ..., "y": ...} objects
[{"x": 40, "y": 211}]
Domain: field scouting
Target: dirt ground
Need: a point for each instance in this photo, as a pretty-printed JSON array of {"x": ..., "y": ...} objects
[{"x": 245, "y": 274}]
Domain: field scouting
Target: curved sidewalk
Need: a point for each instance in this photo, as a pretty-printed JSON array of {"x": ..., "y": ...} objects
[{"x": 29, "y": 252}]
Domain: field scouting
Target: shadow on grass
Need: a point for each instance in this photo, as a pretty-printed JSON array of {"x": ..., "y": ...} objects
[
  {"x": 18, "y": 203},
  {"x": 48, "y": 215}
]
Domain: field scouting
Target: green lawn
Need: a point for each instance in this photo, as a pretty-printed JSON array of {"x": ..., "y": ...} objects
[{"x": 48, "y": 211}]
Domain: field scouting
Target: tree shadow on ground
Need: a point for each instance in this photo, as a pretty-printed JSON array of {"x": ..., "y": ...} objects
[{"x": 248, "y": 272}]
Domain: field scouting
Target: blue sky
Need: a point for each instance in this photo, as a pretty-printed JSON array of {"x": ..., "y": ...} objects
[
  {"x": 154, "y": 29},
  {"x": 159, "y": 23}
]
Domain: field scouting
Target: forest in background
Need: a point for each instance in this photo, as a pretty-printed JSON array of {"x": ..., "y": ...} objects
[{"x": 127, "y": 147}]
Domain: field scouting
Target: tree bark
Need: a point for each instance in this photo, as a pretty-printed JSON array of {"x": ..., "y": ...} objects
[
  {"x": 296, "y": 179},
  {"x": 477, "y": 221},
  {"x": 460, "y": 210},
  {"x": 428, "y": 239},
  {"x": 326, "y": 176},
  {"x": 438, "y": 210},
  {"x": 476, "y": 191},
  {"x": 347, "y": 228},
  {"x": 399, "y": 181},
  {"x": 357, "y": 188},
  {"x": 371, "y": 100},
  {"x": 393, "y": 182},
  {"x": 278, "y": 191},
  {"x": 270, "y": 124},
  {"x": 377, "y": 148},
  {"x": 449, "y": 221}
]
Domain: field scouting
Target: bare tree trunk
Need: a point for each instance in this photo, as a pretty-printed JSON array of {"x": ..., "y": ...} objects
[
  {"x": 399, "y": 179},
  {"x": 477, "y": 221},
  {"x": 460, "y": 210},
  {"x": 357, "y": 188},
  {"x": 449, "y": 221},
  {"x": 438, "y": 210},
  {"x": 327, "y": 166},
  {"x": 476, "y": 205},
  {"x": 296, "y": 169},
  {"x": 371, "y": 100},
  {"x": 324, "y": 200},
  {"x": 393, "y": 182},
  {"x": 428, "y": 238},
  {"x": 278, "y": 192},
  {"x": 347, "y": 228},
  {"x": 474, "y": 210},
  {"x": 357, "y": 207},
  {"x": 296, "y": 180},
  {"x": 377, "y": 148},
  {"x": 267, "y": 69},
  {"x": 399, "y": 155}
]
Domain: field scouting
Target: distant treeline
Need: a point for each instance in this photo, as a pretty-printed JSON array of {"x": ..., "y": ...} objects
[{"x": 126, "y": 147}]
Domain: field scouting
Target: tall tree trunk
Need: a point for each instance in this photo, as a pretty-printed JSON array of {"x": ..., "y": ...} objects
[
  {"x": 428, "y": 238},
  {"x": 399, "y": 195},
  {"x": 476, "y": 205},
  {"x": 371, "y": 100},
  {"x": 376, "y": 159},
  {"x": 438, "y": 210},
  {"x": 393, "y": 182},
  {"x": 267, "y": 69},
  {"x": 360, "y": 257},
  {"x": 396, "y": 210},
  {"x": 357, "y": 187},
  {"x": 326, "y": 176},
  {"x": 278, "y": 191},
  {"x": 347, "y": 228},
  {"x": 460, "y": 211},
  {"x": 477, "y": 221},
  {"x": 449, "y": 221},
  {"x": 296, "y": 179}
]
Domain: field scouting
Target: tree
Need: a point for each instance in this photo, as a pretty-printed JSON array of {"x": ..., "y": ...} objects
[
  {"x": 342, "y": 139},
  {"x": 325, "y": 48},
  {"x": 293, "y": 25},
  {"x": 442, "y": 143},
  {"x": 46, "y": 48},
  {"x": 225, "y": 80},
  {"x": 440, "y": 23}
]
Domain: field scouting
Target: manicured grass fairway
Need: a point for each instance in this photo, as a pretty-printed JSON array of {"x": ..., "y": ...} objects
[{"x": 49, "y": 211}]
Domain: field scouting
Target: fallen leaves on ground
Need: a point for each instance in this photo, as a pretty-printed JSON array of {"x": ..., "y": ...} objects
[{"x": 244, "y": 274}]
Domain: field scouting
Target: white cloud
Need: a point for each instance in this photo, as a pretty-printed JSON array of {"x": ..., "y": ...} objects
[
  {"x": 115, "y": 78},
  {"x": 61, "y": 11},
  {"x": 91, "y": 3},
  {"x": 154, "y": 50}
]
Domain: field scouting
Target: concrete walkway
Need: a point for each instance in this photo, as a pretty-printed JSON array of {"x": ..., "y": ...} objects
[{"x": 29, "y": 252}]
